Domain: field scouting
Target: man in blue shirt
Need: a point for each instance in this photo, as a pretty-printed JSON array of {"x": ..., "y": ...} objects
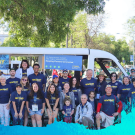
[
  {"x": 37, "y": 77},
  {"x": 12, "y": 81},
  {"x": 64, "y": 78},
  {"x": 88, "y": 84}
]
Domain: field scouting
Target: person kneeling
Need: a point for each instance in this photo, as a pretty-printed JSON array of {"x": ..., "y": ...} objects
[
  {"x": 84, "y": 113},
  {"x": 108, "y": 103},
  {"x": 67, "y": 110},
  {"x": 18, "y": 99}
]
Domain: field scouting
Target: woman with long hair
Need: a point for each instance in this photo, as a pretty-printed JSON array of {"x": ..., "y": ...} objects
[
  {"x": 36, "y": 105},
  {"x": 25, "y": 87},
  {"x": 75, "y": 88},
  {"x": 52, "y": 100},
  {"x": 24, "y": 70},
  {"x": 123, "y": 92}
]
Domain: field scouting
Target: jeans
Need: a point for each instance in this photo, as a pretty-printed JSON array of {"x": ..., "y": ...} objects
[{"x": 4, "y": 114}]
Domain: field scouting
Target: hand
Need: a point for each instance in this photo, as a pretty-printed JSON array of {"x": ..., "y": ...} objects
[
  {"x": 16, "y": 115},
  {"x": 115, "y": 114},
  {"x": 20, "y": 115},
  {"x": 8, "y": 106},
  {"x": 28, "y": 110},
  {"x": 77, "y": 121},
  {"x": 98, "y": 114},
  {"x": 42, "y": 111}
]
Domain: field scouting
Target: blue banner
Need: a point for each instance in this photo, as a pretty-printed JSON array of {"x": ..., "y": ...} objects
[
  {"x": 4, "y": 61},
  {"x": 61, "y": 62},
  {"x": 131, "y": 58}
]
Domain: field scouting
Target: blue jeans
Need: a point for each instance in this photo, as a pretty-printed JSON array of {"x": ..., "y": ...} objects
[
  {"x": 17, "y": 121},
  {"x": 35, "y": 112}
]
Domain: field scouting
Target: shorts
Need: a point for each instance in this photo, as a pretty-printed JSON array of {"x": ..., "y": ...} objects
[
  {"x": 68, "y": 119},
  {"x": 51, "y": 107},
  {"x": 106, "y": 120},
  {"x": 125, "y": 107},
  {"x": 35, "y": 112}
]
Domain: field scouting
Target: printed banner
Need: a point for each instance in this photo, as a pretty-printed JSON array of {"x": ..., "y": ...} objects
[
  {"x": 68, "y": 62},
  {"x": 4, "y": 61}
]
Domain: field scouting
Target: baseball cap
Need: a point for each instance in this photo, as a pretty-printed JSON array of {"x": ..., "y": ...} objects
[
  {"x": 132, "y": 70},
  {"x": 108, "y": 86},
  {"x": 12, "y": 69},
  {"x": 65, "y": 70},
  {"x": 54, "y": 76},
  {"x": 18, "y": 85}
]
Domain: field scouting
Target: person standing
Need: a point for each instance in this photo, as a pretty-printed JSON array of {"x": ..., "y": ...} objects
[
  {"x": 114, "y": 83},
  {"x": 107, "y": 114},
  {"x": 64, "y": 78},
  {"x": 75, "y": 88},
  {"x": 13, "y": 80},
  {"x": 88, "y": 84},
  {"x": 18, "y": 99},
  {"x": 52, "y": 100},
  {"x": 35, "y": 104},
  {"x": 123, "y": 92},
  {"x": 101, "y": 84},
  {"x": 38, "y": 78},
  {"x": 25, "y": 88},
  {"x": 5, "y": 92},
  {"x": 24, "y": 70}
]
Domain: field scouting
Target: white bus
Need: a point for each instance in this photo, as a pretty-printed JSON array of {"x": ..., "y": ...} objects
[{"x": 92, "y": 55}]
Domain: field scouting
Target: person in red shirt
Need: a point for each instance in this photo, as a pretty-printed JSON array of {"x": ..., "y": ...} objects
[{"x": 108, "y": 103}]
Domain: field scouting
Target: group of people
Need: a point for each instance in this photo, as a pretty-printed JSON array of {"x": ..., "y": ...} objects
[{"x": 90, "y": 102}]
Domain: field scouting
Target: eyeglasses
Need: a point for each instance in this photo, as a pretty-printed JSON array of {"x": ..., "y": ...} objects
[
  {"x": 113, "y": 75},
  {"x": 24, "y": 80}
]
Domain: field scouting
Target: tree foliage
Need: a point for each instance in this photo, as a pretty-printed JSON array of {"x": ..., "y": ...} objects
[{"x": 37, "y": 22}]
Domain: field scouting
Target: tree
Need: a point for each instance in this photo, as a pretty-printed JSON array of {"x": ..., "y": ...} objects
[{"x": 40, "y": 21}]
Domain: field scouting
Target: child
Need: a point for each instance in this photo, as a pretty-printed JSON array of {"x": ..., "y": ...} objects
[
  {"x": 131, "y": 94},
  {"x": 93, "y": 102},
  {"x": 67, "y": 110}
]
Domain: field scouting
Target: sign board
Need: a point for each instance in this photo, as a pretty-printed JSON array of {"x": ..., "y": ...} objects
[
  {"x": 4, "y": 61},
  {"x": 131, "y": 58},
  {"x": 69, "y": 62}
]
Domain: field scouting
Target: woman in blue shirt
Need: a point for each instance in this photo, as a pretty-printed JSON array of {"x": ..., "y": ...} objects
[
  {"x": 5, "y": 92},
  {"x": 35, "y": 105},
  {"x": 25, "y": 87},
  {"x": 52, "y": 100},
  {"x": 75, "y": 88},
  {"x": 114, "y": 83},
  {"x": 123, "y": 92},
  {"x": 18, "y": 99}
]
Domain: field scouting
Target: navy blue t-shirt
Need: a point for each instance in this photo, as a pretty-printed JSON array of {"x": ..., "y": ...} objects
[
  {"x": 108, "y": 104},
  {"x": 18, "y": 98},
  {"x": 25, "y": 90},
  {"x": 53, "y": 98},
  {"x": 62, "y": 81},
  {"x": 40, "y": 79},
  {"x": 124, "y": 90},
  {"x": 88, "y": 85},
  {"x": 24, "y": 72},
  {"x": 131, "y": 95},
  {"x": 38, "y": 101},
  {"x": 5, "y": 92},
  {"x": 13, "y": 82},
  {"x": 115, "y": 87},
  {"x": 74, "y": 90},
  {"x": 67, "y": 109}
]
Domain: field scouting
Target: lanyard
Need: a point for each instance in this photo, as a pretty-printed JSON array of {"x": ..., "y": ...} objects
[
  {"x": 82, "y": 108},
  {"x": 35, "y": 99},
  {"x": 52, "y": 100},
  {"x": 98, "y": 86}
]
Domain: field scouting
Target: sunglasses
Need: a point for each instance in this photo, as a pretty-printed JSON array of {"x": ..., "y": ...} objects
[
  {"x": 65, "y": 72},
  {"x": 113, "y": 75},
  {"x": 24, "y": 80}
]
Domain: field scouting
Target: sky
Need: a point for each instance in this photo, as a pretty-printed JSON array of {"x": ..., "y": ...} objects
[{"x": 118, "y": 12}]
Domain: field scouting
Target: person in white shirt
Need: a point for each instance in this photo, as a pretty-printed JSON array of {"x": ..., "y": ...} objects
[
  {"x": 24, "y": 70},
  {"x": 84, "y": 112}
]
